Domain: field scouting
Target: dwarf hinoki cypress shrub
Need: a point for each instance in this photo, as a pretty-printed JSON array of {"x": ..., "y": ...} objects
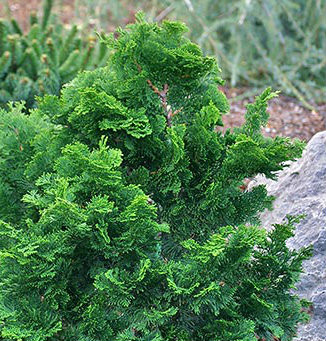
[
  {"x": 17, "y": 132},
  {"x": 43, "y": 59},
  {"x": 133, "y": 223}
]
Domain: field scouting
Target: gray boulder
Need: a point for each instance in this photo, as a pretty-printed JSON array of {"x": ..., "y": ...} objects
[{"x": 301, "y": 189}]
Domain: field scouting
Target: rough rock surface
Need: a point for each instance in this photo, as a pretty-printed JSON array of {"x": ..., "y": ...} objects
[{"x": 301, "y": 188}]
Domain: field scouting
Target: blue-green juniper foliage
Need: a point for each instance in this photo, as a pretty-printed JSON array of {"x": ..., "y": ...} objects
[{"x": 123, "y": 211}]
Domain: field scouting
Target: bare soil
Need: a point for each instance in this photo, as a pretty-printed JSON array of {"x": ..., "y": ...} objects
[
  {"x": 287, "y": 116},
  {"x": 21, "y": 9}
]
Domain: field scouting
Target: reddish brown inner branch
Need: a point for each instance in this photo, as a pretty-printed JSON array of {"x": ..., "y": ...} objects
[{"x": 163, "y": 97}]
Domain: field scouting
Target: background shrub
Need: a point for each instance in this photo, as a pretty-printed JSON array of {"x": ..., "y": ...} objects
[
  {"x": 281, "y": 43},
  {"x": 258, "y": 43},
  {"x": 41, "y": 60}
]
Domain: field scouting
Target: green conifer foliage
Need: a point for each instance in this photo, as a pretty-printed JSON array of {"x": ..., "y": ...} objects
[
  {"x": 40, "y": 61},
  {"x": 17, "y": 133},
  {"x": 133, "y": 224}
]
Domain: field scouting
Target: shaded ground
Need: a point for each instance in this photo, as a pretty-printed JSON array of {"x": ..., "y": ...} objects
[{"x": 287, "y": 116}]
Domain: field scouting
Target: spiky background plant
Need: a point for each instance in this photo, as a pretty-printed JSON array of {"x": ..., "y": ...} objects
[
  {"x": 43, "y": 59},
  {"x": 257, "y": 43},
  {"x": 280, "y": 43},
  {"x": 132, "y": 222}
]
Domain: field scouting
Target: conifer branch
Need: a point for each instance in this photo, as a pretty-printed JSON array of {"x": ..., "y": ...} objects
[{"x": 163, "y": 97}]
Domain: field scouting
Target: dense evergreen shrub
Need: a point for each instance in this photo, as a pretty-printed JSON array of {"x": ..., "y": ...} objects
[
  {"x": 133, "y": 222},
  {"x": 43, "y": 59},
  {"x": 17, "y": 132}
]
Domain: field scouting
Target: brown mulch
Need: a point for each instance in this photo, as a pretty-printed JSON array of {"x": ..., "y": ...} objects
[
  {"x": 287, "y": 116},
  {"x": 21, "y": 10},
  {"x": 67, "y": 10}
]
